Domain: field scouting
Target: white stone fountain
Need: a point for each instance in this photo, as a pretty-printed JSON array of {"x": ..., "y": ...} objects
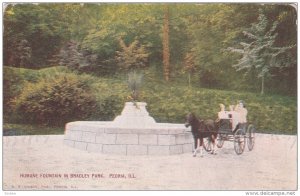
[{"x": 133, "y": 132}]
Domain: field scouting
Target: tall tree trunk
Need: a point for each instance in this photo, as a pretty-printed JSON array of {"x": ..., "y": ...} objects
[
  {"x": 189, "y": 79},
  {"x": 166, "y": 49},
  {"x": 262, "y": 85}
]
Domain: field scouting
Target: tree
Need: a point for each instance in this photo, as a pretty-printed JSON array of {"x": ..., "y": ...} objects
[
  {"x": 45, "y": 26},
  {"x": 71, "y": 57},
  {"x": 189, "y": 65},
  {"x": 133, "y": 56},
  {"x": 259, "y": 53},
  {"x": 166, "y": 50},
  {"x": 131, "y": 22},
  {"x": 211, "y": 28},
  {"x": 284, "y": 78},
  {"x": 22, "y": 54}
]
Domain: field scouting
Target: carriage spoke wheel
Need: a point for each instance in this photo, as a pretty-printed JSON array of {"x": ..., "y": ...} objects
[
  {"x": 239, "y": 141},
  {"x": 207, "y": 144},
  {"x": 221, "y": 138},
  {"x": 250, "y": 135}
]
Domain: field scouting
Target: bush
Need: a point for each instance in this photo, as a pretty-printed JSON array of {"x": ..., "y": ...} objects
[
  {"x": 11, "y": 88},
  {"x": 13, "y": 83},
  {"x": 110, "y": 95},
  {"x": 108, "y": 107},
  {"x": 55, "y": 100},
  {"x": 14, "y": 80}
]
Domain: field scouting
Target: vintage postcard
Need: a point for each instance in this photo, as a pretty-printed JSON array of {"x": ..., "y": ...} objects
[{"x": 150, "y": 96}]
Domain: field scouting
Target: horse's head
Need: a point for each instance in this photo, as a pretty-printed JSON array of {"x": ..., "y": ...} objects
[{"x": 189, "y": 119}]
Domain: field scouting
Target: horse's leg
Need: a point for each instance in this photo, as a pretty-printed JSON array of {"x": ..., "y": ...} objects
[
  {"x": 201, "y": 146},
  {"x": 195, "y": 146},
  {"x": 213, "y": 140}
]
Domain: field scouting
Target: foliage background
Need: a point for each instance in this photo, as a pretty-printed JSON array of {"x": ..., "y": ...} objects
[{"x": 83, "y": 40}]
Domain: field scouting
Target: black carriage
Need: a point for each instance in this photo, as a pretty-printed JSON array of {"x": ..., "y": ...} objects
[{"x": 241, "y": 135}]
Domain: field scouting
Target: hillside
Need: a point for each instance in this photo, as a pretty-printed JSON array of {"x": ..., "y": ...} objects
[{"x": 170, "y": 102}]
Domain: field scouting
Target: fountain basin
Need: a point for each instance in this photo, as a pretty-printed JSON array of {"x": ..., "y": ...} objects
[{"x": 129, "y": 134}]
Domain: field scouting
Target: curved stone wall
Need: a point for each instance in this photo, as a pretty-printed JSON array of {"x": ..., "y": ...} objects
[{"x": 105, "y": 137}]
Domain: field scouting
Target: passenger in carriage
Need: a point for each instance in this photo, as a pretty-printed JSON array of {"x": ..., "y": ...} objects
[
  {"x": 241, "y": 109},
  {"x": 242, "y": 112},
  {"x": 224, "y": 118},
  {"x": 222, "y": 114},
  {"x": 237, "y": 115},
  {"x": 234, "y": 118}
]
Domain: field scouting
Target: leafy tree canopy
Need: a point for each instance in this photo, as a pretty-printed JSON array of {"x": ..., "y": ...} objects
[{"x": 35, "y": 35}]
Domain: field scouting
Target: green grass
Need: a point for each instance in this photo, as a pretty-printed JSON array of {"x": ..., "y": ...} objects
[
  {"x": 23, "y": 129},
  {"x": 171, "y": 101}
]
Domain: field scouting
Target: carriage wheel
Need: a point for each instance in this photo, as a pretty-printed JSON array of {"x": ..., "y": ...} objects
[
  {"x": 239, "y": 141},
  {"x": 207, "y": 144},
  {"x": 221, "y": 138},
  {"x": 250, "y": 135}
]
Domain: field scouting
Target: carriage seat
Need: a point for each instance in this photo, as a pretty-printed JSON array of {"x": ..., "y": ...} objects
[{"x": 237, "y": 115}]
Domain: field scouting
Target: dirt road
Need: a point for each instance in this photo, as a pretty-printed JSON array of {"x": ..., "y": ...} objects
[{"x": 44, "y": 163}]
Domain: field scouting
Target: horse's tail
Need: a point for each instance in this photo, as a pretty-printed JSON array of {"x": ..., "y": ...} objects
[
  {"x": 218, "y": 124},
  {"x": 210, "y": 125},
  {"x": 213, "y": 127}
]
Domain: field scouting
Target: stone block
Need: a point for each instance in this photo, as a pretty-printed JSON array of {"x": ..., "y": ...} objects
[
  {"x": 166, "y": 140},
  {"x": 159, "y": 130},
  {"x": 184, "y": 138},
  {"x": 180, "y": 139},
  {"x": 112, "y": 130},
  {"x": 73, "y": 135},
  {"x": 187, "y": 148},
  {"x": 158, "y": 150},
  {"x": 104, "y": 138},
  {"x": 94, "y": 147},
  {"x": 149, "y": 139},
  {"x": 76, "y": 127},
  {"x": 136, "y": 131},
  {"x": 121, "y": 130},
  {"x": 137, "y": 150},
  {"x": 95, "y": 129},
  {"x": 176, "y": 131},
  {"x": 114, "y": 149},
  {"x": 69, "y": 143},
  {"x": 177, "y": 149},
  {"x": 127, "y": 139},
  {"x": 88, "y": 137},
  {"x": 70, "y": 125},
  {"x": 163, "y": 131},
  {"x": 80, "y": 145},
  {"x": 67, "y": 135},
  {"x": 190, "y": 138},
  {"x": 90, "y": 126}
]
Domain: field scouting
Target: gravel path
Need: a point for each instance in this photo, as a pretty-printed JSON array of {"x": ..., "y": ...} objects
[{"x": 44, "y": 163}]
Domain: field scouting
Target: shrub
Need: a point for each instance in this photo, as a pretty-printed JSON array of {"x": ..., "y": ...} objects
[
  {"x": 13, "y": 83},
  {"x": 14, "y": 80},
  {"x": 108, "y": 107},
  {"x": 57, "y": 99},
  {"x": 110, "y": 95}
]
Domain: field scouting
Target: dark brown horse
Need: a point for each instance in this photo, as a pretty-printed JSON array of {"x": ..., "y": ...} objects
[{"x": 202, "y": 129}]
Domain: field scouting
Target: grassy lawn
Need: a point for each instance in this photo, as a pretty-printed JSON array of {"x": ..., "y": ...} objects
[{"x": 22, "y": 129}]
